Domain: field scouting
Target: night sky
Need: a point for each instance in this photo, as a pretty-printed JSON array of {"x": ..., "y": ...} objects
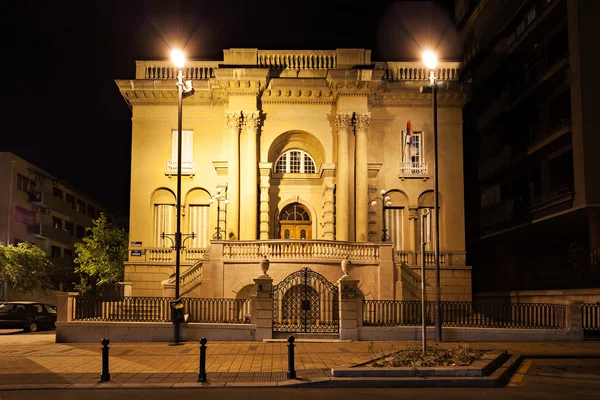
[{"x": 62, "y": 111}]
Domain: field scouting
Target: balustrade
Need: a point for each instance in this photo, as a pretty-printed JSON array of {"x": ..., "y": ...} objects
[
  {"x": 197, "y": 70},
  {"x": 300, "y": 249},
  {"x": 303, "y": 60},
  {"x": 416, "y": 71}
]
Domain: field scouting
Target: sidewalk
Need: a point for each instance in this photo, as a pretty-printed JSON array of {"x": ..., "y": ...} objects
[{"x": 228, "y": 363}]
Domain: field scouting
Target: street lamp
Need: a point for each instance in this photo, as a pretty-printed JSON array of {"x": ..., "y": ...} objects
[
  {"x": 385, "y": 202},
  {"x": 184, "y": 89},
  {"x": 220, "y": 197},
  {"x": 430, "y": 61}
]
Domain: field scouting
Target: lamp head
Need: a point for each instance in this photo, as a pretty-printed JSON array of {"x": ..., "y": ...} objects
[
  {"x": 218, "y": 189},
  {"x": 429, "y": 59},
  {"x": 226, "y": 201},
  {"x": 178, "y": 58},
  {"x": 211, "y": 200},
  {"x": 388, "y": 204},
  {"x": 373, "y": 203},
  {"x": 382, "y": 192}
]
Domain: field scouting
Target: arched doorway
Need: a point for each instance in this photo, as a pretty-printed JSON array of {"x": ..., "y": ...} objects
[{"x": 294, "y": 222}]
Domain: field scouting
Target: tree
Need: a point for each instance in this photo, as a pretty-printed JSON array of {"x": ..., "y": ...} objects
[
  {"x": 24, "y": 267},
  {"x": 101, "y": 255}
]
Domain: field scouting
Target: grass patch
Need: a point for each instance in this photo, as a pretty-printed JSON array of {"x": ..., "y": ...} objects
[{"x": 457, "y": 355}]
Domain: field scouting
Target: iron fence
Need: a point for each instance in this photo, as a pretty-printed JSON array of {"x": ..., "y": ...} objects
[
  {"x": 225, "y": 311},
  {"x": 465, "y": 314},
  {"x": 590, "y": 314},
  {"x": 157, "y": 309}
]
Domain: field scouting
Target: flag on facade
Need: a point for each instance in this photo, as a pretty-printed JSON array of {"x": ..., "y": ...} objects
[{"x": 408, "y": 131}]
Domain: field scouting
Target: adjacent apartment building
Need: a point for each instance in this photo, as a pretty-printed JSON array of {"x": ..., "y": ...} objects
[
  {"x": 531, "y": 143},
  {"x": 44, "y": 210},
  {"x": 302, "y": 157}
]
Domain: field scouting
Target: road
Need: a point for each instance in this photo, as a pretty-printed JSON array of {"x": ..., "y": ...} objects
[{"x": 536, "y": 379}]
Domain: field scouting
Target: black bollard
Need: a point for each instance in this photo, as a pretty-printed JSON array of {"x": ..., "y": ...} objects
[
  {"x": 291, "y": 374},
  {"x": 202, "y": 369},
  {"x": 105, "y": 377}
]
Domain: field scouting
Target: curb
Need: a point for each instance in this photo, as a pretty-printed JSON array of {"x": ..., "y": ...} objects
[{"x": 499, "y": 378}]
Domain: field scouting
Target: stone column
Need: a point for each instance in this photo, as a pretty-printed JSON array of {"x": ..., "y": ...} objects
[
  {"x": 249, "y": 183},
  {"x": 348, "y": 307},
  {"x": 362, "y": 177},
  {"x": 575, "y": 320},
  {"x": 233, "y": 172},
  {"x": 265, "y": 183},
  {"x": 343, "y": 122},
  {"x": 65, "y": 305},
  {"x": 262, "y": 313}
]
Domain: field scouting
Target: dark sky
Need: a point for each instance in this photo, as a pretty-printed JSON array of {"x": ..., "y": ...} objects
[{"x": 62, "y": 111}]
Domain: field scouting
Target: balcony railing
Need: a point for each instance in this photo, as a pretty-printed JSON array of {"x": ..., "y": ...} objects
[
  {"x": 165, "y": 255},
  {"x": 198, "y": 70},
  {"x": 187, "y": 167},
  {"x": 298, "y": 59},
  {"x": 414, "y": 258},
  {"x": 414, "y": 169},
  {"x": 300, "y": 250},
  {"x": 552, "y": 194},
  {"x": 416, "y": 71}
]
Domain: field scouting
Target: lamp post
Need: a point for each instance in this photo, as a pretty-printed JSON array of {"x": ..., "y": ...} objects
[
  {"x": 184, "y": 89},
  {"x": 430, "y": 61},
  {"x": 219, "y": 197},
  {"x": 385, "y": 202}
]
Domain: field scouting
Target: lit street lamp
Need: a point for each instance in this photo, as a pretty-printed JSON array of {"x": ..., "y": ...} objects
[
  {"x": 385, "y": 202},
  {"x": 430, "y": 62},
  {"x": 184, "y": 90},
  {"x": 220, "y": 197}
]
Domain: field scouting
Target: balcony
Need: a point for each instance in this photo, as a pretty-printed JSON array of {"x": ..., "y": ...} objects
[
  {"x": 46, "y": 200},
  {"x": 540, "y": 137},
  {"x": 44, "y": 231},
  {"x": 187, "y": 167},
  {"x": 414, "y": 170},
  {"x": 551, "y": 197}
]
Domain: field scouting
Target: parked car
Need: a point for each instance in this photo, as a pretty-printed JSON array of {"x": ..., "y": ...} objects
[{"x": 27, "y": 315}]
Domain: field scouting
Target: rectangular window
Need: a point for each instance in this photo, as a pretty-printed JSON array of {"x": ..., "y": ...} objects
[
  {"x": 428, "y": 228},
  {"x": 57, "y": 192},
  {"x": 199, "y": 224},
  {"x": 80, "y": 206},
  {"x": 393, "y": 224},
  {"x": 68, "y": 254},
  {"x": 57, "y": 223},
  {"x": 91, "y": 211},
  {"x": 187, "y": 145},
  {"x": 413, "y": 148},
  {"x": 69, "y": 227},
  {"x": 164, "y": 222},
  {"x": 22, "y": 183},
  {"x": 24, "y": 216},
  {"x": 32, "y": 186},
  {"x": 55, "y": 251},
  {"x": 510, "y": 39},
  {"x": 69, "y": 198},
  {"x": 80, "y": 232}
]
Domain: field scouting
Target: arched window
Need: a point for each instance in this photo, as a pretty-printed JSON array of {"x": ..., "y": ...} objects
[{"x": 295, "y": 162}]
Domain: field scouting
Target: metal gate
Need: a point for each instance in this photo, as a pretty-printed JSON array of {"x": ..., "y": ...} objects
[{"x": 305, "y": 302}]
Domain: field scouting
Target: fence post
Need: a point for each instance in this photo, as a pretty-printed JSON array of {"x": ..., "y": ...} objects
[
  {"x": 291, "y": 374},
  {"x": 202, "y": 368},
  {"x": 263, "y": 308},
  {"x": 348, "y": 308},
  {"x": 575, "y": 320},
  {"x": 105, "y": 377}
]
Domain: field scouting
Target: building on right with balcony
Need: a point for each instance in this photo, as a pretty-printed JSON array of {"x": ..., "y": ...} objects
[{"x": 531, "y": 140}]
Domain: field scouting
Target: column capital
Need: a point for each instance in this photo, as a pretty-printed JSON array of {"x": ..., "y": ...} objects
[
  {"x": 233, "y": 119},
  {"x": 362, "y": 121},
  {"x": 251, "y": 119},
  {"x": 343, "y": 120}
]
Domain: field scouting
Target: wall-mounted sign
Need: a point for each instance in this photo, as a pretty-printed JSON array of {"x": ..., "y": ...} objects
[
  {"x": 136, "y": 244},
  {"x": 137, "y": 253}
]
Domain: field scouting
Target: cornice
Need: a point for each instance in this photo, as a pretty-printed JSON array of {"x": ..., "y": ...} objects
[{"x": 417, "y": 100}]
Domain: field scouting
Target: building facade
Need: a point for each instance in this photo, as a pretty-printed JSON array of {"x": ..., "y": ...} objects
[
  {"x": 41, "y": 209},
  {"x": 283, "y": 153},
  {"x": 530, "y": 143}
]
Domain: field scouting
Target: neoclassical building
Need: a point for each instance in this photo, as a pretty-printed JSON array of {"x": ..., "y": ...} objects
[{"x": 283, "y": 154}]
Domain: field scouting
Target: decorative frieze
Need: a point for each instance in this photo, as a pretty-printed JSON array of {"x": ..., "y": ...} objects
[{"x": 417, "y": 100}]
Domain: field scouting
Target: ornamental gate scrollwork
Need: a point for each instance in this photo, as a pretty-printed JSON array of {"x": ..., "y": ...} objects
[{"x": 305, "y": 301}]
